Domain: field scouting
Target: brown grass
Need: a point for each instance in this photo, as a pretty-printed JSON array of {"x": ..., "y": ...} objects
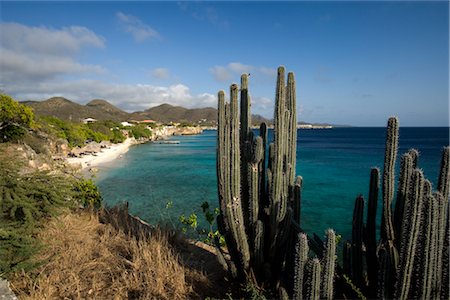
[{"x": 88, "y": 260}]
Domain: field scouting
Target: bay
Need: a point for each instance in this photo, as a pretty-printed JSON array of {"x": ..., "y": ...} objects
[{"x": 334, "y": 163}]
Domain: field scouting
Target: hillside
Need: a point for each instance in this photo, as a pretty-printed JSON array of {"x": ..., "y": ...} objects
[
  {"x": 67, "y": 110},
  {"x": 103, "y": 110},
  {"x": 168, "y": 113}
]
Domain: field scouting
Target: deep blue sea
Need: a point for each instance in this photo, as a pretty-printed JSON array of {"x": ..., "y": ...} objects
[{"x": 334, "y": 163}]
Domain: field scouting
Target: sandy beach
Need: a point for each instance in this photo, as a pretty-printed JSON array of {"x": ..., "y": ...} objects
[{"x": 104, "y": 156}]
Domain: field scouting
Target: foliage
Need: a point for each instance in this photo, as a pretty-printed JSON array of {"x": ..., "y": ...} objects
[
  {"x": 117, "y": 136},
  {"x": 15, "y": 118},
  {"x": 26, "y": 200},
  {"x": 186, "y": 124},
  {"x": 140, "y": 131},
  {"x": 190, "y": 221},
  {"x": 77, "y": 133},
  {"x": 88, "y": 193}
]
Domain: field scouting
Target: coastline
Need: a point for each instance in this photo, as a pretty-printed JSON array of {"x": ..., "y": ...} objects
[
  {"x": 114, "y": 151},
  {"x": 105, "y": 155}
]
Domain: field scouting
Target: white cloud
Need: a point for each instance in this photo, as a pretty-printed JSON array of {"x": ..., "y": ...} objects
[
  {"x": 39, "y": 53},
  {"x": 161, "y": 73},
  {"x": 130, "y": 97},
  {"x": 138, "y": 29},
  {"x": 234, "y": 69}
]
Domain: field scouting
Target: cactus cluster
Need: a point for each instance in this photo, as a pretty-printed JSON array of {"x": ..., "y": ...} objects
[
  {"x": 259, "y": 197},
  {"x": 411, "y": 259}
]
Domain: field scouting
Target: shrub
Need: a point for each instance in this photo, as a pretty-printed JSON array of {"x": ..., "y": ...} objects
[
  {"x": 141, "y": 131},
  {"x": 15, "y": 118},
  {"x": 88, "y": 193},
  {"x": 117, "y": 136}
]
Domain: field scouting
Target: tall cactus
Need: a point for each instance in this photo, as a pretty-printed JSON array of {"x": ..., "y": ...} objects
[
  {"x": 387, "y": 229},
  {"x": 260, "y": 199},
  {"x": 413, "y": 248},
  {"x": 357, "y": 241},
  {"x": 407, "y": 166},
  {"x": 313, "y": 282},
  {"x": 409, "y": 242},
  {"x": 371, "y": 235},
  {"x": 329, "y": 262},
  {"x": 301, "y": 257}
]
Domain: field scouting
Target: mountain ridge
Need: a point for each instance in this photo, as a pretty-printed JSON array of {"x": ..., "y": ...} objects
[{"x": 101, "y": 109}]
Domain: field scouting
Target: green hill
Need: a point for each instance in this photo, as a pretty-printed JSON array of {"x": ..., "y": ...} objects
[{"x": 102, "y": 110}]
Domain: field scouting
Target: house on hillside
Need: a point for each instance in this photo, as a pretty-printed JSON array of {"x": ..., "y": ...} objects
[
  {"x": 147, "y": 121},
  {"x": 89, "y": 120},
  {"x": 126, "y": 124}
]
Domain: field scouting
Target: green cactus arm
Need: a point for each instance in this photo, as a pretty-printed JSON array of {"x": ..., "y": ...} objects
[
  {"x": 371, "y": 245},
  {"x": 300, "y": 259},
  {"x": 328, "y": 266},
  {"x": 387, "y": 229},
  {"x": 409, "y": 242}
]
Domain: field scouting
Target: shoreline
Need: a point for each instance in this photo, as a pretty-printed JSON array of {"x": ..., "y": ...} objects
[
  {"x": 114, "y": 151},
  {"x": 104, "y": 156}
]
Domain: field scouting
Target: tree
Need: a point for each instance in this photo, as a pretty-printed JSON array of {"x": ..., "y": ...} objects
[{"x": 15, "y": 118}]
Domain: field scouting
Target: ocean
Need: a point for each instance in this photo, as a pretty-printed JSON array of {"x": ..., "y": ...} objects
[{"x": 334, "y": 163}]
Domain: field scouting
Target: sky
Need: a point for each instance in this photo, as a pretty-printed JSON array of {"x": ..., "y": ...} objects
[{"x": 355, "y": 63}]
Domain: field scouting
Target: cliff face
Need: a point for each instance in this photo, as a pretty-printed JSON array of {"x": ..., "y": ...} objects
[{"x": 163, "y": 132}]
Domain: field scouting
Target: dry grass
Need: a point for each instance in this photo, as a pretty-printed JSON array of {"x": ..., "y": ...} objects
[{"x": 88, "y": 260}]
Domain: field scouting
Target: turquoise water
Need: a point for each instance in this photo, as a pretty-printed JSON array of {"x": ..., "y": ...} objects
[{"x": 335, "y": 165}]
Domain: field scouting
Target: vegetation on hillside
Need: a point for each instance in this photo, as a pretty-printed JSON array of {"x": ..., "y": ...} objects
[
  {"x": 27, "y": 199},
  {"x": 87, "y": 259},
  {"x": 15, "y": 119}
]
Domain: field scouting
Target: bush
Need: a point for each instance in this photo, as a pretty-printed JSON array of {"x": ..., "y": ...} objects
[
  {"x": 88, "y": 193},
  {"x": 26, "y": 200},
  {"x": 117, "y": 136},
  {"x": 15, "y": 119},
  {"x": 141, "y": 131}
]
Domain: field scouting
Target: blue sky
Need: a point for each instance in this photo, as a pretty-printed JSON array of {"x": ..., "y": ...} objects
[{"x": 355, "y": 62}]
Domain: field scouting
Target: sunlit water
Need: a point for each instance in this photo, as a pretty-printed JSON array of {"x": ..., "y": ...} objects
[{"x": 335, "y": 166}]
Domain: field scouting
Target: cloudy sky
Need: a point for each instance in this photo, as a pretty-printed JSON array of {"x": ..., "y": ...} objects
[{"x": 355, "y": 62}]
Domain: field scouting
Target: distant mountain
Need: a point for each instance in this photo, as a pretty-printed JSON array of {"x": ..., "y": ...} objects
[
  {"x": 67, "y": 110},
  {"x": 167, "y": 113},
  {"x": 103, "y": 110}
]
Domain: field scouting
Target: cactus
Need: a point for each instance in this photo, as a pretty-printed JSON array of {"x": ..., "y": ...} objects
[
  {"x": 357, "y": 241},
  {"x": 429, "y": 246},
  {"x": 297, "y": 199},
  {"x": 445, "y": 288},
  {"x": 301, "y": 257},
  {"x": 313, "y": 282},
  {"x": 409, "y": 242},
  {"x": 260, "y": 201},
  {"x": 387, "y": 229},
  {"x": 414, "y": 256},
  {"x": 329, "y": 262},
  {"x": 371, "y": 244},
  {"x": 406, "y": 167}
]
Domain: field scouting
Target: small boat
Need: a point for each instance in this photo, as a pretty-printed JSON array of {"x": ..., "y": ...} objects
[{"x": 166, "y": 142}]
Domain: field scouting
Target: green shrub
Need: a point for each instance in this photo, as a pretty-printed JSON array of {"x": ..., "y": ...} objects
[
  {"x": 117, "y": 136},
  {"x": 88, "y": 193},
  {"x": 15, "y": 119},
  {"x": 140, "y": 131},
  {"x": 26, "y": 201}
]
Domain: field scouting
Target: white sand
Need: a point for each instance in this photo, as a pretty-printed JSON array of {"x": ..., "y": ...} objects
[{"x": 105, "y": 155}]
